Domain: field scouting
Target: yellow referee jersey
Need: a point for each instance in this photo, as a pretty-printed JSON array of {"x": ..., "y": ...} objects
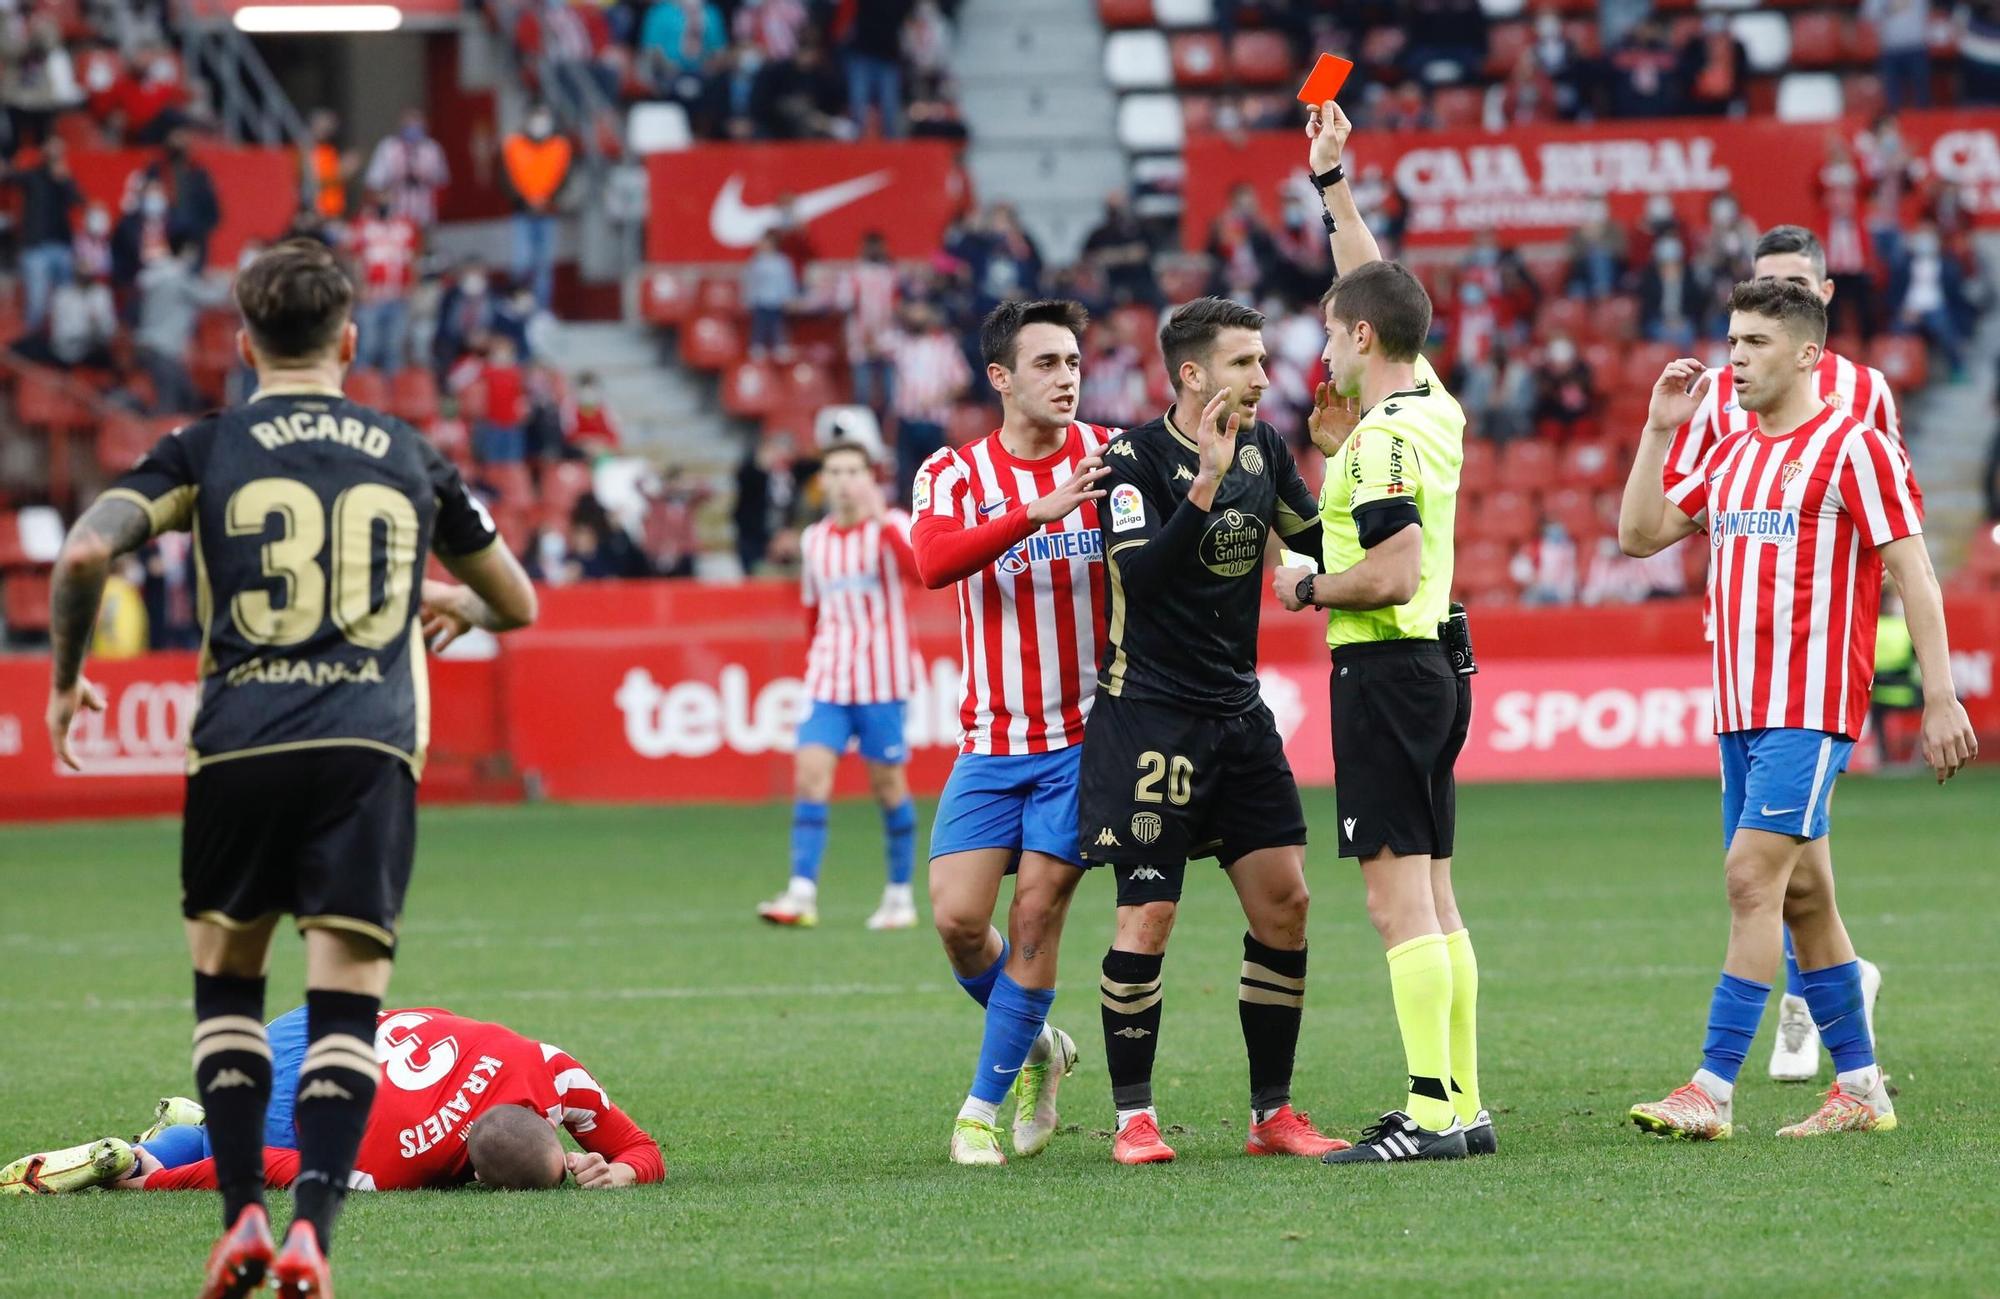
[{"x": 1409, "y": 446}]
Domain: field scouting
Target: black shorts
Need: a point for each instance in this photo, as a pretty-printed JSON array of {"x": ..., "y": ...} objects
[
  {"x": 1160, "y": 785},
  {"x": 1400, "y": 715},
  {"x": 326, "y": 834}
]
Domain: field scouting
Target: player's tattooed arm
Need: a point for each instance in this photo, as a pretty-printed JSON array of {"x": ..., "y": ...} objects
[{"x": 108, "y": 529}]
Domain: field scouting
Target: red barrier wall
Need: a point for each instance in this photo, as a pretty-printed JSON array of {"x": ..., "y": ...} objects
[
  {"x": 663, "y": 691},
  {"x": 257, "y": 189}
]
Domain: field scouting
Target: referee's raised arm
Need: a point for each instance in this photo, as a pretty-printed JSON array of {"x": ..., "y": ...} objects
[{"x": 1353, "y": 245}]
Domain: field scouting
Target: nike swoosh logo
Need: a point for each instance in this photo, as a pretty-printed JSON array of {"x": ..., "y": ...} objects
[
  {"x": 998, "y": 1069},
  {"x": 736, "y": 224},
  {"x": 1768, "y": 810}
]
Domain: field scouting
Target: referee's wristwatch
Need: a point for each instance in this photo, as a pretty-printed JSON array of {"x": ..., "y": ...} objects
[{"x": 1304, "y": 593}]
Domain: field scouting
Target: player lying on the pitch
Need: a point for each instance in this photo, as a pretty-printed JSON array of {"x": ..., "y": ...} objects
[{"x": 460, "y": 1099}]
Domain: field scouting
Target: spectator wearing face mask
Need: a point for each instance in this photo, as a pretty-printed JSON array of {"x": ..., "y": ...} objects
[
  {"x": 1672, "y": 295},
  {"x": 37, "y": 80},
  {"x": 770, "y": 288},
  {"x": 91, "y": 249},
  {"x": 172, "y": 295},
  {"x": 589, "y": 428},
  {"x": 1566, "y": 400},
  {"x": 465, "y": 313},
  {"x": 537, "y": 164},
  {"x": 1715, "y": 69},
  {"x": 384, "y": 247},
  {"x": 49, "y": 196},
  {"x": 1596, "y": 257},
  {"x": 139, "y": 239},
  {"x": 409, "y": 167},
  {"x": 1929, "y": 297},
  {"x": 193, "y": 211}
]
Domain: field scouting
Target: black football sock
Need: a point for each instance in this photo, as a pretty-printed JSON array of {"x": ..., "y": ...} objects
[
  {"x": 1131, "y": 997},
  {"x": 1270, "y": 1000},
  {"x": 336, "y": 1087},
  {"x": 232, "y": 1076}
]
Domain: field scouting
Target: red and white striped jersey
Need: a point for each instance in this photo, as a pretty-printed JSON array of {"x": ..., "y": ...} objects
[
  {"x": 1857, "y": 390},
  {"x": 1030, "y": 623},
  {"x": 853, "y": 577},
  {"x": 386, "y": 250},
  {"x": 1794, "y": 524}
]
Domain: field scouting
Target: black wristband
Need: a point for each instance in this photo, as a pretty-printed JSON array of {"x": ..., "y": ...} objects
[
  {"x": 1326, "y": 180},
  {"x": 1304, "y": 593}
]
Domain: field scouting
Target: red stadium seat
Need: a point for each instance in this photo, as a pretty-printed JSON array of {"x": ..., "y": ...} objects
[
  {"x": 1819, "y": 40},
  {"x": 809, "y": 386},
  {"x": 1862, "y": 96},
  {"x": 665, "y": 297},
  {"x": 720, "y": 295},
  {"x": 1527, "y": 465},
  {"x": 1591, "y": 463},
  {"x": 712, "y": 343},
  {"x": 1575, "y": 509},
  {"x": 563, "y": 484},
  {"x": 752, "y": 389},
  {"x": 26, "y": 600},
  {"x": 1508, "y": 517},
  {"x": 1864, "y": 43},
  {"x": 1505, "y": 43},
  {"x": 1261, "y": 58},
  {"x": 122, "y": 440},
  {"x": 1902, "y": 359},
  {"x": 1479, "y": 573},
  {"x": 1616, "y": 318},
  {"x": 1481, "y": 464},
  {"x": 1569, "y": 316},
  {"x": 11, "y": 553},
  {"x": 1125, "y": 13},
  {"x": 1198, "y": 59},
  {"x": 1197, "y": 114},
  {"x": 42, "y": 399},
  {"x": 1643, "y": 363},
  {"x": 510, "y": 481},
  {"x": 368, "y": 388},
  {"x": 1457, "y": 107},
  {"x": 413, "y": 395}
]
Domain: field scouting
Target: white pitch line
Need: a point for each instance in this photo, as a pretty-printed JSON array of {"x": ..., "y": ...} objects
[{"x": 148, "y": 1005}]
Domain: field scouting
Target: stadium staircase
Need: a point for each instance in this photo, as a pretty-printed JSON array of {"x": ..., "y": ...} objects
[
  {"x": 1044, "y": 136},
  {"x": 1950, "y": 428}
]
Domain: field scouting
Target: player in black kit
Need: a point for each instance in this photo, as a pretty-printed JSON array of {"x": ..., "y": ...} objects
[
  {"x": 1180, "y": 756},
  {"x": 313, "y": 518}
]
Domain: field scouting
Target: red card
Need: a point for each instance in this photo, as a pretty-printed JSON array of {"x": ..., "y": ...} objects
[{"x": 1328, "y": 76}]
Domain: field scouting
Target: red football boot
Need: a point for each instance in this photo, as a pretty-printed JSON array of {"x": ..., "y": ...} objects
[
  {"x": 1138, "y": 1142},
  {"x": 237, "y": 1264},
  {"x": 301, "y": 1270},
  {"x": 1289, "y": 1132}
]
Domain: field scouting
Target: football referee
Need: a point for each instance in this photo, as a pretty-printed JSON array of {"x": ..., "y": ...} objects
[{"x": 1401, "y": 694}]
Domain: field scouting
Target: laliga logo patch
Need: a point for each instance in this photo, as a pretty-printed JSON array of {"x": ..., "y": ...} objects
[
  {"x": 1251, "y": 459},
  {"x": 1146, "y": 827},
  {"x": 1127, "y": 510},
  {"x": 920, "y": 496}
]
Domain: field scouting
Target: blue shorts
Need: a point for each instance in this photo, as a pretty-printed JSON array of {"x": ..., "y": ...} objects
[
  {"x": 178, "y": 1147},
  {"x": 1780, "y": 779},
  {"x": 878, "y": 728},
  {"x": 1026, "y": 802}
]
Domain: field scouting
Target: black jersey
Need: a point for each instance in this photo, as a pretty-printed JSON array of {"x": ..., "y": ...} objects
[
  {"x": 313, "y": 518},
  {"x": 1187, "y": 584}
]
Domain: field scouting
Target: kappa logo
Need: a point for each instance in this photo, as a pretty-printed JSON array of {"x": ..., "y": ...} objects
[
  {"x": 1121, "y": 449},
  {"x": 736, "y": 224},
  {"x": 1106, "y": 839},
  {"x": 1141, "y": 872},
  {"x": 1348, "y": 825},
  {"x": 229, "y": 1078},
  {"x": 1134, "y": 1033},
  {"x": 1182, "y": 474},
  {"x": 325, "y": 1089}
]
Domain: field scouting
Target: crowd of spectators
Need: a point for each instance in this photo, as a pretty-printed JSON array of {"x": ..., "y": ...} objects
[{"x": 756, "y": 69}]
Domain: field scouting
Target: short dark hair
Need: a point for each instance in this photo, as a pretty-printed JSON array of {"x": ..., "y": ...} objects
[
  {"x": 1190, "y": 330},
  {"x": 839, "y": 445},
  {"x": 295, "y": 300},
  {"x": 512, "y": 1148},
  {"x": 1391, "y": 300},
  {"x": 1000, "y": 332},
  {"x": 1793, "y": 239},
  {"x": 1798, "y": 309}
]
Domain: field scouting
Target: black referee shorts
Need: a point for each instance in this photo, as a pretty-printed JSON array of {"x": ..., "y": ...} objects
[
  {"x": 1159, "y": 785},
  {"x": 1400, "y": 716},
  {"x": 326, "y": 834}
]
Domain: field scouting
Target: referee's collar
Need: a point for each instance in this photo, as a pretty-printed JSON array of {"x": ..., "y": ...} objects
[{"x": 1421, "y": 390}]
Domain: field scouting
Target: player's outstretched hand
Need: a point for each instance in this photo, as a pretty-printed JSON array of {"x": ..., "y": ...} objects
[
  {"x": 63, "y": 708},
  {"x": 1949, "y": 740},
  {"x": 594, "y": 1174},
  {"x": 1073, "y": 491},
  {"x": 1217, "y": 438},
  {"x": 445, "y": 612},
  {"x": 1331, "y": 419},
  {"x": 1327, "y": 128},
  {"x": 1673, "y": 403}
]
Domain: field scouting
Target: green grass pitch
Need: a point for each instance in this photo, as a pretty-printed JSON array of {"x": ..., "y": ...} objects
[{"x": 803, "y": 1083}]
